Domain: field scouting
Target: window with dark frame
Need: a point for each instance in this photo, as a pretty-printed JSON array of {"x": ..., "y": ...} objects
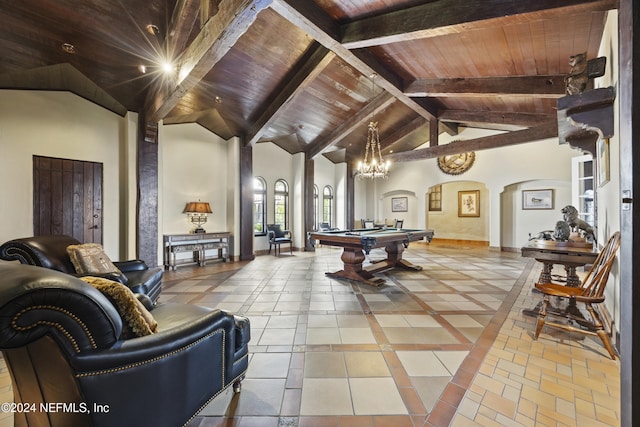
[
  {"x": 435, "y": 199},
  {"x": 316, "y": 205},
  {"x": 281, "y": 204},
  {"x": 259, "y": 206},
  {"x": 327, "y": 205}
]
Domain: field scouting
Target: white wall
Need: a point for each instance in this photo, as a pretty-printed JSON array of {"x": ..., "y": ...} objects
[
  {"x": 448, "y": 225},
  {"x": 608, "y": 194},
  {"x": 272, "y": 163},
  {"x": 63, "y": 125},
  {"x": 495, "y": 168},
  {"x": 518, "y": 223},
  {"x": 193, "y": 166},
  {"x": 387, "y": 215},
  {"x": 324, "y": 173}
]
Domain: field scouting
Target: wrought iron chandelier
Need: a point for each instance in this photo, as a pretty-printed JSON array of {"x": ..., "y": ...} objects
[{"x": 373, "y": 166}]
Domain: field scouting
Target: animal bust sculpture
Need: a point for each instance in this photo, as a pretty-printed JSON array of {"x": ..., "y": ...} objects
[
  {"x": 542, "y": 235},
  {"x": 576, "y": 81},
  {"x": 562, "y": 231},
  {"x": 571, "y": 217}
]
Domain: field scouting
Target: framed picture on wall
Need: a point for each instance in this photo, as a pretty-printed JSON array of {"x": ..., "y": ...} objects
[
  {"x": 537, "y": 199},
  {"x": 399, "y": 204},
  {"x": 469, "y": 203}
]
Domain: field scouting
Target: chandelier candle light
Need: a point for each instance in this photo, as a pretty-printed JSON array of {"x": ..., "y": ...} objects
[
  {"x": 197, "y": 213},
  {"x": 373, "y": 166}
]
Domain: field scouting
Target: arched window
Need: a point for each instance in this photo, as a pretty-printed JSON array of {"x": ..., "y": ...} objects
[
  {"x": 259, "y": 206},
  {"x": 316, "y": 207},
  {"x": 327, "y": 205},
  {"x": 281, "y": 204}
]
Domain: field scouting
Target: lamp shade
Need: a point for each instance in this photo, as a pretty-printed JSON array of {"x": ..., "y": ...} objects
[{"x": 197, "y": 207}]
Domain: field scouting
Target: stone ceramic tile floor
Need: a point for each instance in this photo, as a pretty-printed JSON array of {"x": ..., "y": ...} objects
[{"x": 447, "y": 345}]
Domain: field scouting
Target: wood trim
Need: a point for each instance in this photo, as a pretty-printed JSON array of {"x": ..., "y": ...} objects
[
  {"x": 629, "y": 120},
  {"x": 548, "y": 130},
  {"x": 460, "y": 242}
]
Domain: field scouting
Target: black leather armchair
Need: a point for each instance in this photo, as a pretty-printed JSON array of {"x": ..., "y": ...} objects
[
  {"x": 277, "y": 236},
  {"x": 60, "y": 338},
  {"x": 51, "y": 252}
]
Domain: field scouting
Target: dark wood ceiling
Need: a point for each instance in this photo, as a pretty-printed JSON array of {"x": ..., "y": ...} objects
[{"x": 299, "y": 72}]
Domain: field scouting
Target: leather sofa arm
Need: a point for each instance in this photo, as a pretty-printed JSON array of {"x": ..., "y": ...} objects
[
  {"x": 243, "y": 331},
  {"x": 131, "y": 265},
  {"x": 37, "y": 302},
  {"x": 161, "y": 345}
]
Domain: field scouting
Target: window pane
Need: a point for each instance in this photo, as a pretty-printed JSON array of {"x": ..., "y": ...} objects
[
  {"x": 259, "y": 205},
  {"x": 435, "y": 198},
  {"x": 327, "y": 205},
  {"x": 281, "y": 203}
]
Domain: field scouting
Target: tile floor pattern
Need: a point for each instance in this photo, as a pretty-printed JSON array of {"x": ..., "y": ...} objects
[{"x": 446, "y": 346}]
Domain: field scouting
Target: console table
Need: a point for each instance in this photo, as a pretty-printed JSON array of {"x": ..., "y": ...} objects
[
  {"x": 570, "y": 257},
  {"x": 197, "y": 244}
]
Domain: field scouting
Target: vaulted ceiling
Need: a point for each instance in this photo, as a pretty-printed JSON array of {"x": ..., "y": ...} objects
[{"x": 308, "y": 75}]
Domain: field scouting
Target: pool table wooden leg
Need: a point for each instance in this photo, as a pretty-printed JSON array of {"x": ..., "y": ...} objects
[
  {"x": 352, "y": 259},
  {"x": 394, "y": 259}
]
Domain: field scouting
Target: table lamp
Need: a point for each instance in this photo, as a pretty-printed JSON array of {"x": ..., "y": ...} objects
[{"x": 197, "y": 213}]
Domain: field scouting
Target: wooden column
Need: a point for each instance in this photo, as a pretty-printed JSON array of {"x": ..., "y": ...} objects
[
  {"x": 246, "y": 202},
  {"x": 351, "y": 197},
  {"x": 309, "y": 168},
  {"x": 147, "y": 197},
  {"x": 434, "y": 133},
  {"x": 629, "y": 98}
]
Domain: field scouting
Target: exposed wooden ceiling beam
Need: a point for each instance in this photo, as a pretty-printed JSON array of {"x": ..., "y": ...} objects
[
  {"x": 379, "y": 103},
  {"x": 393, "y": 139},
  {"x": 505, "y": 120},
  {"x": 311, "y": 19},
  {"x": 443, "y": 17},
  {"x": 541, "y": 86},
  {"x": 545, "y": 131},
  {"x": 181, "y": 25},
  {"x": 305, "y": 73},
  {"x": 216, "y": 38}
]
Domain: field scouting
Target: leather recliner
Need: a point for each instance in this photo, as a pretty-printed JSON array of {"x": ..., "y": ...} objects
[
  {"x": 50, "y": 251},
  {"x": 60, "y": 338}
]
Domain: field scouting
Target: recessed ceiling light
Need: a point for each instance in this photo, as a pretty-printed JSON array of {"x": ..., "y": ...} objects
[
  {"x": 167, "y": 67},
  {"x": 218, "y": 100},
  {"x": 142, "y": 69},
  {"x": 153, "y": 30},
  {"x": 69, "y": 48}
]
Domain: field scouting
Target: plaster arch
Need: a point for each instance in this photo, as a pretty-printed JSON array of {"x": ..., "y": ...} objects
[
  {"x": 388, "y": 214},
  {"x": 448, "y": 224},
  {"x": 517, "y": 223}
]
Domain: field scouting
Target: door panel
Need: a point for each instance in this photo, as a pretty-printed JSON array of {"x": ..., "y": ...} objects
[{"x": 67, "y": 198}]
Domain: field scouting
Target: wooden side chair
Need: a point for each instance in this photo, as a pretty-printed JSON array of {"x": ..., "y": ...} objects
[
  {"x": 590, "y": 291},
  {"x": 399, "y": 223}
]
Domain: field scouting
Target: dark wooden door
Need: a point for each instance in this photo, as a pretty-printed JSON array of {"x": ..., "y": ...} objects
[{"x": 67, "y": 198}]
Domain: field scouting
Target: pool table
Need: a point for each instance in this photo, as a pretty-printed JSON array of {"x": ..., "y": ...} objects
[{"x": 356, "y": 243}]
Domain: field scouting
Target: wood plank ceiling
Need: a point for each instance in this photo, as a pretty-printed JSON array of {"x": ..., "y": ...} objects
[{"x": 298, "y": 72}]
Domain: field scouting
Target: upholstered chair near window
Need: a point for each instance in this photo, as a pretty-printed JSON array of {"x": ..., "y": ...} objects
[{"x": 277, "y": 236}]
